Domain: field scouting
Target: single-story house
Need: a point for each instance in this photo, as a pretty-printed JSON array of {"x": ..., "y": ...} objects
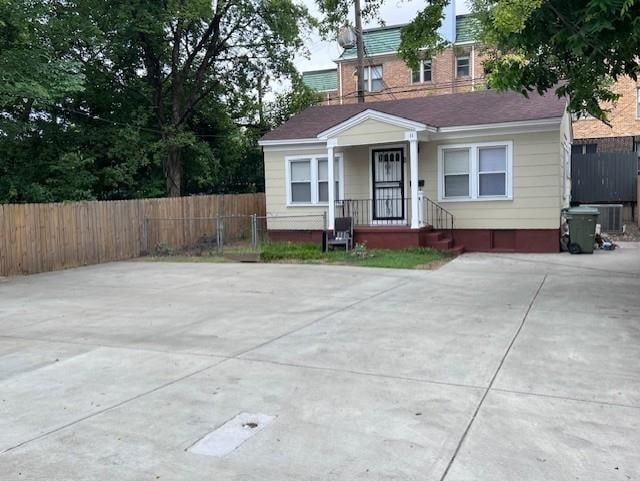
[{"x": 483, "y": 171}]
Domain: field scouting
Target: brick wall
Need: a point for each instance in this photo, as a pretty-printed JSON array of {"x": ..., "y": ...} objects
[
  {"x": 608, "y": 144},
  {"x": 397, "y": 77},
  {"x": 623, "y": 118}
]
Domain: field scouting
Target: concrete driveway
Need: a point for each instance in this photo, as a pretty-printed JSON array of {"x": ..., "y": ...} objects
[{"x": 495, "y": 367}]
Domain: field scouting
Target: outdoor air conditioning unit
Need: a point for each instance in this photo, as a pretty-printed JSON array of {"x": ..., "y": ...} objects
[{"x": 610, "y": 218}]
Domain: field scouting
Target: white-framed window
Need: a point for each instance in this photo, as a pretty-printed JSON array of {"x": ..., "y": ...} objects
[
  {"x": 373, "y": 78},
  {"x": 462, "y": 67},
  {"x": 424, "y": 72},
  {"x": 475, "y": 172},
  {"x": 307, "y": 178},
  {"x": 638, "y": 102}
]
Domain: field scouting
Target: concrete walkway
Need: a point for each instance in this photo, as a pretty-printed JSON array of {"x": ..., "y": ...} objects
[{"x": 495, "y": 367}]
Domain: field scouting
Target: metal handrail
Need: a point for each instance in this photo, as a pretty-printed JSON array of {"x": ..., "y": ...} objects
[
  {"x": 438, "y": 217},
  {"x": 364, "y": 212}
]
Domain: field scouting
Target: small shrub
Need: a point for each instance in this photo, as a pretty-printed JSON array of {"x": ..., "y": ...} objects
[
  {"x": 360, "y": 251},
  {"x": 163, "y": 250}
]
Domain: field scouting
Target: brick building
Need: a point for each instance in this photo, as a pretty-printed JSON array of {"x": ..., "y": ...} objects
[
  {"x": 457, "y": 69},
  {"x": 591, "y": 135}
]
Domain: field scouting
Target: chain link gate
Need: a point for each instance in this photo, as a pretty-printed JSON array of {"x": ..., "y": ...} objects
[{"x": 231, "y": 234}]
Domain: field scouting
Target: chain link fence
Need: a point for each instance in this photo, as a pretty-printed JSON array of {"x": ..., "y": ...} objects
[{"x": 229, "y": 234}]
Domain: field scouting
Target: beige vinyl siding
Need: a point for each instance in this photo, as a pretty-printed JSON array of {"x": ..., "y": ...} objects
[
  {"x": 276, "y": 193},
  {"x": 536, "y": 185},
  {"x": 356, "y": 173},
  {"x": 371, "y": 132}
]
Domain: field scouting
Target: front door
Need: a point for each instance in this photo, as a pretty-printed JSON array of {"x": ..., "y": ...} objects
[{"x": 388, "y": 185}]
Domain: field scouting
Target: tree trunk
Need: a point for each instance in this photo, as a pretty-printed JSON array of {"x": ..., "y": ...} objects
[{"x": 173, "y": 171}]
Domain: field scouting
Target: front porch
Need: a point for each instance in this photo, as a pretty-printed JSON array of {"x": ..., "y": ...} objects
[{"x": 378, "y": 182}]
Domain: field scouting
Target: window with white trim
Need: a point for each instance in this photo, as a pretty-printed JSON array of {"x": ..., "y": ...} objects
[
  {"x": 638, "y": 102},
  {"x": 475, "y": 171},
  {"x": 300, "y": 172},
  {"x": 423, "y": 74},
  {"x": 462, "y": 67},
  {"x": 492, "y": 171},
  {"x": 373, "y": 78},
  {"x": 323, "y": 180},
  {"x": 456, "y": 173},
  {"x": 308, "y": 179}
]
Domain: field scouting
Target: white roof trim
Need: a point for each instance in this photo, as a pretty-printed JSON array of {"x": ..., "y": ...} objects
[
  {"x": 539, "y": 125},
  {"x": 522, "y": 123},
  {"x": 266, "y": 143},
  {"x": 371, "y": 114}
]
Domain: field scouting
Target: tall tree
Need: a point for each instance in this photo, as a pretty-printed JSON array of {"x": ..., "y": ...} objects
[
  {"x": 132, "y": 98},
  {"x": 186, "y": 50}
]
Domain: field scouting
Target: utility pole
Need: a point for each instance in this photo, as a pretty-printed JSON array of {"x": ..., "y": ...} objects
[{"x": 360, "y": 49}]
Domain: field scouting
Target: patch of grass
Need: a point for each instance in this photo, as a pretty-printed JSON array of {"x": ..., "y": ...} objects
[
  {"x": 311, "y": 253},
  {"x": 291, "y": 251}
]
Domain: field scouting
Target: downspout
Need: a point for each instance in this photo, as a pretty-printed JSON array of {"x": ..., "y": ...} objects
[
  {"x": 473, "y": 67},
  {"x": 340, "y": 82}
]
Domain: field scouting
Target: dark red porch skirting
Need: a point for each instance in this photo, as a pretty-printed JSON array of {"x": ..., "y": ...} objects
[
  {"x": 388, "y": 237},
  {"x": 508, "y": 240},
  {"x": 473, "y": 240}
]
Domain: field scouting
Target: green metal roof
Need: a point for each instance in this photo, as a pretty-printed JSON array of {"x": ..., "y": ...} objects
[
  {"x": 466, "y": 28},
  {"x": 321, "y": 80},
  {"x": 376, "y": 41},
  {"x": 387, "y": 39}
]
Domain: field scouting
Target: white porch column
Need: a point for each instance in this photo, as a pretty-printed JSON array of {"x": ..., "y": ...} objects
[
  {"x": 412, "y": 137},
  {"x": 331, "y": 217}
]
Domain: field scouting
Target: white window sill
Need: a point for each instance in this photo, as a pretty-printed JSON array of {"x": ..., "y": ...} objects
[
  {"x": 308, "y": 204},
  {"x": 478, "y": 199}
]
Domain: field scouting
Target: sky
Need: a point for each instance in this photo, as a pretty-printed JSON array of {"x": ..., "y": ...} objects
[{"x": 393, "y": 12}]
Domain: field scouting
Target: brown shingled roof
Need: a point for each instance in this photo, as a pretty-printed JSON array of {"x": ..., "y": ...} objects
[{"x": 472, "y": 108}]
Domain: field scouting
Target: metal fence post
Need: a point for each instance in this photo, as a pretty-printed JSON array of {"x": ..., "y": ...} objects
[
  {"x": 145, "y": 235},
  {"x": 218, "y": 236},
  {"x": 254, "y": 231}
]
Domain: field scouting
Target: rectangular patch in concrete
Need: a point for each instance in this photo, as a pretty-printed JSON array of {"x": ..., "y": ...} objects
[{"x": 231, "y": 434}]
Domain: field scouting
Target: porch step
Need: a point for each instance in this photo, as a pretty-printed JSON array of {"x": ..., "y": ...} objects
[
  {"x": 432, "y": 236},
  {"x": 443, "y": 245},
  {"x": 457, "y": 250},
  {"x": 441, "y": 241}
]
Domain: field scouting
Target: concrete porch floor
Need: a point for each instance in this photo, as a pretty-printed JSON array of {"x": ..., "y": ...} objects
[{"x": 495, "y": 367}]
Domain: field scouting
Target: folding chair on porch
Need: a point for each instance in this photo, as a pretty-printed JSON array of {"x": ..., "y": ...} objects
[{"x": 342, "y": 233}]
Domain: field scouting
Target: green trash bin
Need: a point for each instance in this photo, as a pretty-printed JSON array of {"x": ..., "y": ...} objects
[{"x": 582, "y": 228}]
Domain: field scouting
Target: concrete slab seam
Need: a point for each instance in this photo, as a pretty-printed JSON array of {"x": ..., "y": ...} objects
[
  {"x": 493, "y": 379},
  {"x": 362, "y": 373},
  {"x": 321, "y": 318},
  {"x": 114, "y": 406},
  {"x": 567, "y": 398}
]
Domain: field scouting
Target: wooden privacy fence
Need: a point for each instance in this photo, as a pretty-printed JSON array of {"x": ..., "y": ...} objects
[{"x": 45, "y": 237}]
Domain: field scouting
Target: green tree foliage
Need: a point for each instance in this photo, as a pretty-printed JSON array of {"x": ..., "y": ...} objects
[
  {"x": 577, "y": 47},
  {"x": 133, "y": 98}
]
